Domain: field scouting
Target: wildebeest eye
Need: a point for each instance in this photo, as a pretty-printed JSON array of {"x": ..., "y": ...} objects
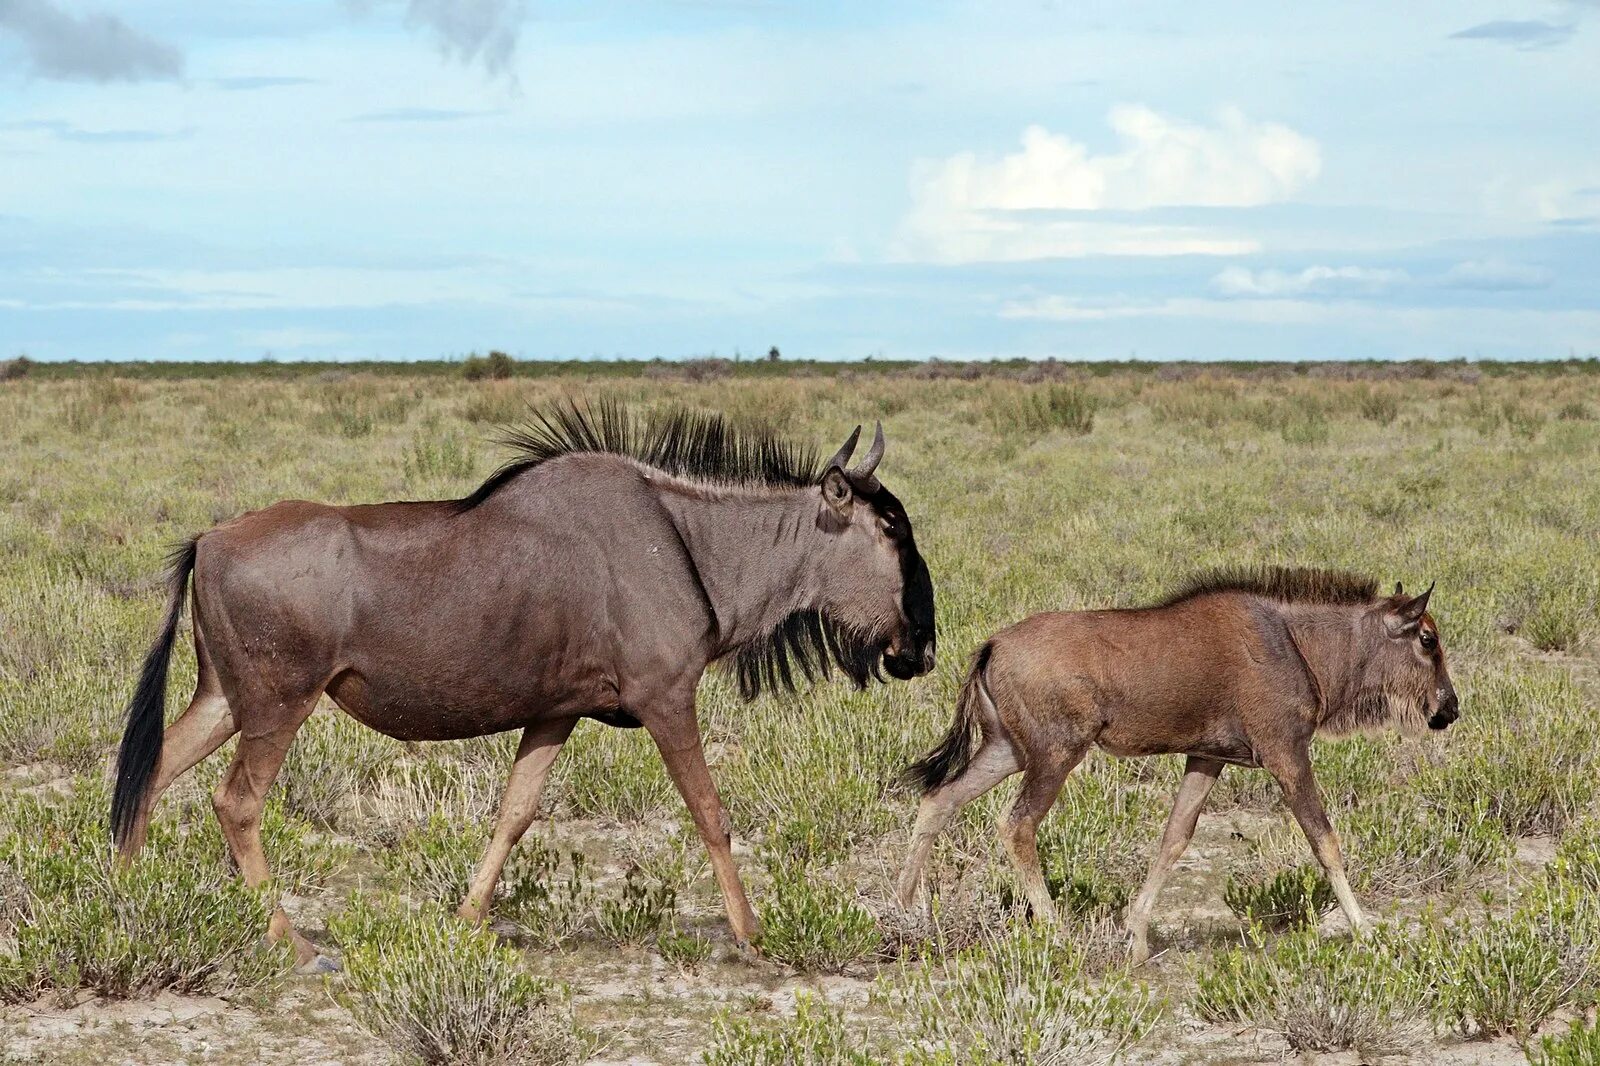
[{"x": 1428, "y": 640}]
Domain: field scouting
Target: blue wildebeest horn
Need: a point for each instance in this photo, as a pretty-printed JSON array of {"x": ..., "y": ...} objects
[
  {"x": 842, "y": 456},
  {"x": 869, "y": 462}
]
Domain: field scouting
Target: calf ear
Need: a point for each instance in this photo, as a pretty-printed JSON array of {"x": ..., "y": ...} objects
[
  {"x": 1399, "y": 590},
  {"x": 838, "y": 498},
  {"x": 1408, "y": 616}
]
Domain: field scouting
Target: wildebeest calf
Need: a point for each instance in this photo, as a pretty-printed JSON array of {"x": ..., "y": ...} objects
[{"x": 1240, "y": 667}]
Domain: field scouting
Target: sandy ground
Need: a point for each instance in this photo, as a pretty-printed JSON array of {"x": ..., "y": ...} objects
[{"x": 647, "y": 1013}]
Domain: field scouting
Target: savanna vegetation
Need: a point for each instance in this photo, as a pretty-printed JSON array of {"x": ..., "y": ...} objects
[{"x": 1031, "y": 487}]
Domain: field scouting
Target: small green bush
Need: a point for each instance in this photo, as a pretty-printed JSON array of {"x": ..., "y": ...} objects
[
  {"x": 440, "y": 990},
  {"x": 1578, "y": 1046},
  {"x": 496, "y": 366},
  {"x": 1286, "y": 900},
  {"x": 439, "y": 454},
  {"x": 177, "y": 918},
  {"x": 436, "y": 862},
  {"x": 1022, "y": 999},
  {"x": 1507, "y": 975},
  {"x": 816, "y": 1036},
  {"x": 811, "y": 924},
  {"x": 639, "y": 913},
  {"x": 687, "y": 951},
  {"x": 1400, "y": 843},
  {"x": 1042, "y": 408},
  {"x": 1322, "y": 995}
]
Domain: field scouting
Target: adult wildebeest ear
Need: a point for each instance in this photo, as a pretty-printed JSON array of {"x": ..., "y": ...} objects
[
  {"x": 837, "y": 498},
  {"x": 1408, "y": 616},
  {"x": 842, "y": 456}
]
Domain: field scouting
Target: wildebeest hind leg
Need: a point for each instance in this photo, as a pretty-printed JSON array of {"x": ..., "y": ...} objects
[
  {"x": 238, "y": 801},
  {"x": 536, "y": 753},
  {"x": 196, "y": 733},
  {"x": 1300, "y": 793},
  {"x": 993, "y": 763},
  {"x": 678, "y": 739},
  {"x": 1041, "y": 784},
  {"x": 1198, "y": 776}
]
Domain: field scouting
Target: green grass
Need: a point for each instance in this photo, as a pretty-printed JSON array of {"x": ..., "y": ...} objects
[{"x": 1031, "y": 487}]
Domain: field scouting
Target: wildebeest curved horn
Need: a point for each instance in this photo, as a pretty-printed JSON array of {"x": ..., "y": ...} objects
[
  {"x": 842, "y": 456},
  {"x": 870, "y": 461}
]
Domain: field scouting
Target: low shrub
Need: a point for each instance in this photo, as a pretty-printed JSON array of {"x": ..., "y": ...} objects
[
  {"x": 1022, "y": 999},
  {"x": 436, "y": 862},
  {"x": 1399, "y": 843},
  {"x": 1285, "y": 900},
  {"x": 1042, "y": 408},
  {"x": 1506, "y": 975},
  {"x": 816, "y": 1036},
  {"x": 496, "y": 366},
  {"x": 1578, "y": 1046},
  {"x": 639, "y": 913},
  {"x": 14, "y": 369},
  {"x": 1321, "y": 995},
  {"x": 813, "y": 925},
  {"x": 440, "y": 990},
  {"x": 177, "y": 918},
  {"x": 687, "y": 951}
]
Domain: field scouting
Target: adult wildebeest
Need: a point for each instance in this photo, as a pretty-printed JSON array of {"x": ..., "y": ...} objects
[
  {"x": 594, "y": 576},
  {"x": 1239, "y": 667}
]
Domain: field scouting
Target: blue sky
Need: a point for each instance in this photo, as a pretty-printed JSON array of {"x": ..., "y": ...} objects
[{"x": 406, "y": 179}]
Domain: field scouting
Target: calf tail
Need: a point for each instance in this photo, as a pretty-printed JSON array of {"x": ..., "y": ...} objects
[
  {"x": 950, "y": 759},
  {"x": 141, "y": 740}
]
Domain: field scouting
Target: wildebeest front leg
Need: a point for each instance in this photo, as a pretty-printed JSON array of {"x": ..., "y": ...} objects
[
  {"x": 1300, "y": 793},
  {"x": 1199, "y": 775},
  {"x": 536, "y": 753},
  {"x": 678, "y": 739}
]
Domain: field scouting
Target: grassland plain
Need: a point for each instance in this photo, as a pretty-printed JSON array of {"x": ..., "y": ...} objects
[{"x": 1031, "y": 488}]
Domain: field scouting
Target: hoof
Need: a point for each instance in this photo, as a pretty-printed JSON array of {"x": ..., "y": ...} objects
[
  {"x": 748, "y": 951},
  {"x": 319, "y": 964}
]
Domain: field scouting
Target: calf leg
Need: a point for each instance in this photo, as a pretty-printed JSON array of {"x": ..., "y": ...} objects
[
  {"x": 1198, "y": 776},
  {"x": 239, "y": 799},
  {"x": 1041, "y": 784},
  {"x": 535, "y": 755},
  {"x": 1300, "y": 792},
  {"x": 678, "y": 739},
  {"x": 995, "y": 761}
]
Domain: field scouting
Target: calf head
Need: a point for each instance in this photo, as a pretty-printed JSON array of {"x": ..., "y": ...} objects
[{"x": 1404, "y": 681}]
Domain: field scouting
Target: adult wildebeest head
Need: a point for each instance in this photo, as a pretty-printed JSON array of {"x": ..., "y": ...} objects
[
  {"x": 878, "y": 588},
  {"x": 1403, "y": 681}
]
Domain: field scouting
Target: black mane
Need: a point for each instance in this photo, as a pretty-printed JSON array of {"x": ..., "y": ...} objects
[
  {"x": 1290, "y": 584},
  {"x": 685, "y": 443},
  {"x": 815, "y": 643}
]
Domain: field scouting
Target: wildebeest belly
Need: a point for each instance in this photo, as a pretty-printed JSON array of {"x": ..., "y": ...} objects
[
  {"x": 1172, "y": 731},
  {"x": 408, "y": 707}
]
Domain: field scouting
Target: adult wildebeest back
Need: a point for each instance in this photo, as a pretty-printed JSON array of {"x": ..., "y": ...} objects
[
  {"x": 594, "y": 576},
  {"x": 1240, "y": 667}
]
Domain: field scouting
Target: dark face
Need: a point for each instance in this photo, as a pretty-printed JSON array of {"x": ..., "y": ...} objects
[
  {"x": 910, "y": 652},
  {"x": 1410, "y": 668}
]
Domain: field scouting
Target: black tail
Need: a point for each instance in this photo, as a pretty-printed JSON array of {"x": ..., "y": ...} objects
[
  {"x": 141, "y": 741},
  {"x": 949, "y": 760}
]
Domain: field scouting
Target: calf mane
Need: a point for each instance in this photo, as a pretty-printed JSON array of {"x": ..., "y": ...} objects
[
  {"x": 698, "y": 445},
  {"x": 1288, "y": 584}
]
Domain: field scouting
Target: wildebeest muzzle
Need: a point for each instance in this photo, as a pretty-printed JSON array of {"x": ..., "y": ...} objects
[{"x": 1449, "y": 710}]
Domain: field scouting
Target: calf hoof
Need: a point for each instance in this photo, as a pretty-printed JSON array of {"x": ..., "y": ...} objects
[
  {"x": 747, "y": 949},
  {"x": 317, "y": 965}
]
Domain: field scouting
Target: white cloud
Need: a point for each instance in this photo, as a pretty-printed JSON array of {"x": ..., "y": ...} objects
[
  {"x": 968, "y": 209},
  {"x": 1496, "y": 275},
  {"x": 1312, "y": 281}
]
